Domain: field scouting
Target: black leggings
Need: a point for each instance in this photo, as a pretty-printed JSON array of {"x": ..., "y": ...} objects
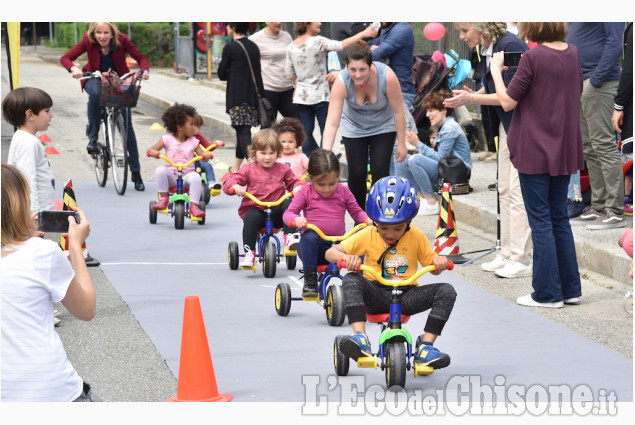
[
  {"x": 254, "y": 219},
  {"x": 282, "y": 102},
  {"x": 243, "y": 140},
  {"x": 380, "y": 147},
  {"x": 362, "y": 296}
]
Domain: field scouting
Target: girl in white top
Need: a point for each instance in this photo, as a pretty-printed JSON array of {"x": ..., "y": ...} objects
[{"x": 35, "y": 274}]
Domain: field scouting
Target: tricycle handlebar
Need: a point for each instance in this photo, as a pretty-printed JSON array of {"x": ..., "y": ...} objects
[
  {"x": 232, "y": 191},
  {"x": 410, "y": 281},
  {"x": 331, "y": 238}
]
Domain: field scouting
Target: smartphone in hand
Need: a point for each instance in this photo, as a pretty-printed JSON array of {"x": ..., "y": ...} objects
[
  {"x": 512, "y": 59},
  {"x": 55, "y": 221}
]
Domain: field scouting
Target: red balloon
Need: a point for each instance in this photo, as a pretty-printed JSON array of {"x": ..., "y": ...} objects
[{"x": 434, "y": 31}]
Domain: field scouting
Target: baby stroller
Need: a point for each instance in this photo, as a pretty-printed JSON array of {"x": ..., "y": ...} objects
[{"x": 439, "y": 72}]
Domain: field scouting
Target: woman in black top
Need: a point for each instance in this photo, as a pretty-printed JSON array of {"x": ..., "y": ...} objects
[{"x": 241, "y": 101}]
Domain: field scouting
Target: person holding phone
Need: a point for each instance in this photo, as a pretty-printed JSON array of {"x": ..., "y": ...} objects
[
  {"x": 545, "y": 144},
  {"x": 35, "y": 275},
  {"x": 515, "y": 234}
]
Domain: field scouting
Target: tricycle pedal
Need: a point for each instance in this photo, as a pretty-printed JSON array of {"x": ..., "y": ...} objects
[
  {"x": 316, "y": 298},
  {"x": 366, "y": 362},
  {"x": 214, "y": 192},
  {"x": 423, "y": 370},
  {"x": 290, "y": 252}
]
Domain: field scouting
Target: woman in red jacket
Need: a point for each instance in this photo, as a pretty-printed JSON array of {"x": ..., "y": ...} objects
[{"x": 106, "y": 49}]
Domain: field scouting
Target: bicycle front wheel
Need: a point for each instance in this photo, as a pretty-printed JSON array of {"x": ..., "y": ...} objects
[
  {"x": 101, "y": 158},
  {"x": 118, "y": 151}
]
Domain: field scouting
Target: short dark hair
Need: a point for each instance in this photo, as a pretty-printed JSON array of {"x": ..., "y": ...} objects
[
  {"x": 322, "y": 162},
  {"x": 239, "y": 27},
  {"x": 176, "y": 115},
  {"x": 543, "y": 32},
  {"x": 359, "y": 53},
  {"x": 20, "y": 100}
]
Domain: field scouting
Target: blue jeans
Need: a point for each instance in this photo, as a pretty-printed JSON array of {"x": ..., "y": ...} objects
[
  {"x": 312, "y": 249},
  {"x": 308, "y": 114},
  {"x": 94, "y": 117},
  {"x": 555, "y": 274},
  {"x": 421, "y": 171},
  {"x": 574, "y": 185},
  {"x": 207, "y": 168}
]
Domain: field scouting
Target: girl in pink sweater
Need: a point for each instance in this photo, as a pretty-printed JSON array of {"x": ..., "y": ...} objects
[
  {"x": 266, "y": 180},
  {"x": 324, "y": 202}
]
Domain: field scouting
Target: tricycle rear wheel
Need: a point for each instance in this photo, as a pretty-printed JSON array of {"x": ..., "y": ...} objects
[
  {"x": 340, "y": 360},
  {"x": 335, "y": 312},
  {"x": 283, "y": 299},
  {"x": 233, "y": 256}
]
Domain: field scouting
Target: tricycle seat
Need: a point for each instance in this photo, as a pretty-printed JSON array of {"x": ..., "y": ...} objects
[
  {"x": 384, "y": 317},
  {"x": 261, "y": 231}
]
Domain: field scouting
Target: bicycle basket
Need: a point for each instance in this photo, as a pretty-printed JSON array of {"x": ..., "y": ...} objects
[{"x": 113, "y": 91}]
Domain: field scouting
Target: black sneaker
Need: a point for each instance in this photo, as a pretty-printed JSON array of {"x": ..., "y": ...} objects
[
  {"x": 574, "y": 208},
  {"x": 310, "y": 288},
  {"x": 138, "y": 183},
  {"x": 92, "y": 147},
  {"x": 493, "y": 187}
]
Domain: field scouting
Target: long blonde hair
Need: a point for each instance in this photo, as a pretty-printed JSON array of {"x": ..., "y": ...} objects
[
  {"x": 17, "y": 224},
  {"x": 113, "y": 28},
  {"x": 491, "y": 31}
]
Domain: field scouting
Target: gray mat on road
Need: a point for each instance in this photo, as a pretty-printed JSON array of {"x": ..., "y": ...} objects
[{"x": 259, "y": 356}]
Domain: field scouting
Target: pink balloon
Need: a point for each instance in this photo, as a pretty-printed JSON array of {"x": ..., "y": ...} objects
[{"x": 434, "y": 31}]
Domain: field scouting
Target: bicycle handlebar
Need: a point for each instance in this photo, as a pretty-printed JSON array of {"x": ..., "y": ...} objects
[
  {"x": 331, "y": 238},
  {"x": 232, "y": 191},
  {"x": 179, "y": 166},
  {"x": 410, "y": 281}
]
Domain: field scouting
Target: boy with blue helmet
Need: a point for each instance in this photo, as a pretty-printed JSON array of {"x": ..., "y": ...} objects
[{"x": 394, "y": 248}]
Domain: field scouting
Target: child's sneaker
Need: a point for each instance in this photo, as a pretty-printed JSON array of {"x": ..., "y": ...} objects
[
  {"x": 429, "y": 355},
  {"x": 356, "y": 346},
  {"x": 628, "y": 209},
  {"x": 291, "y": 241},
  {"x": 249, "y": 259},
  {"x": 196, "y": 211},
  {"x": 162, "y": 204},
  {"x": 310, "y": 288}
]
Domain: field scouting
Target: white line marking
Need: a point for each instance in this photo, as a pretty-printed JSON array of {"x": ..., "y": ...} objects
[
  {"x": 296, "y": 281},
  {"x": 271, "y": 286}
]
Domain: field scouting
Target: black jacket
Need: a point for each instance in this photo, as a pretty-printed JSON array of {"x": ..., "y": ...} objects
[{"x": 234, "y": 68}]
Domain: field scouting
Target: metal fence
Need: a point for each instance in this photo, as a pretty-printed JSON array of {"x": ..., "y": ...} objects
[{"x": 184, "y": 61}]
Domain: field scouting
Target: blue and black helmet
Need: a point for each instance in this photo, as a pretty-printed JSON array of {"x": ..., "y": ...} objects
[{"x": 392, "y": 200}]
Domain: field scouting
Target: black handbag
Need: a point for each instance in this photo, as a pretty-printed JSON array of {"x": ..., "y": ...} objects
[
  {"x": 265, "y": 110},
  {"x": 452, "y": 169}
]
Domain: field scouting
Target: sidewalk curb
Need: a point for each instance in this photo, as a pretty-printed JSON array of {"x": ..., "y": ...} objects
[{"x": 590, "y": 256}]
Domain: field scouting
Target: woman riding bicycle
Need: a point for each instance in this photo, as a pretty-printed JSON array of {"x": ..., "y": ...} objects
[{"x": 106, "y": 49}]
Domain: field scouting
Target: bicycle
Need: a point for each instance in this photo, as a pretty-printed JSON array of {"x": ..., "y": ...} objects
[
  {"x": 392, "y": 356},
  {"x": 329, "y": 296},
  {"x": 112, "y": 145}
]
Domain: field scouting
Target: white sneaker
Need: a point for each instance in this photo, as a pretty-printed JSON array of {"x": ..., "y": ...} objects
[
  {"x": 427, "y": 209},
  {"x": 529, "y": 302},
  {"x": 249, "y": 259},
  {"x": 514, "y": 269},
  {"x": 291, "y": 241},
  {"x": 56, "y": 313},
  {"x": 497, "y": 263},
  {"x": 573, "y": 301}
]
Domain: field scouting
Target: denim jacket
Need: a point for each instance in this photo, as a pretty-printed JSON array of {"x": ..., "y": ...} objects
[{"x": 450, "y": 141}]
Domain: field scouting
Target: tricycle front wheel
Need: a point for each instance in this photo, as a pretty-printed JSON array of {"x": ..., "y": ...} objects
[{"x": 395, "y": 364}]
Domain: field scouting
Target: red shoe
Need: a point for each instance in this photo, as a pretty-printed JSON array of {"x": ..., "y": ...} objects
[
  {"x": 196, "y": 211},
  {"x": 162, "y": 204}
]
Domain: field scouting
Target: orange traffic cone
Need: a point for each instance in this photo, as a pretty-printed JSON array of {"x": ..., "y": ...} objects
[
  {"x": 447, "y": 237},
  {"x": 197, "y": 381},
  {"x": 68, "y": 202}
]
